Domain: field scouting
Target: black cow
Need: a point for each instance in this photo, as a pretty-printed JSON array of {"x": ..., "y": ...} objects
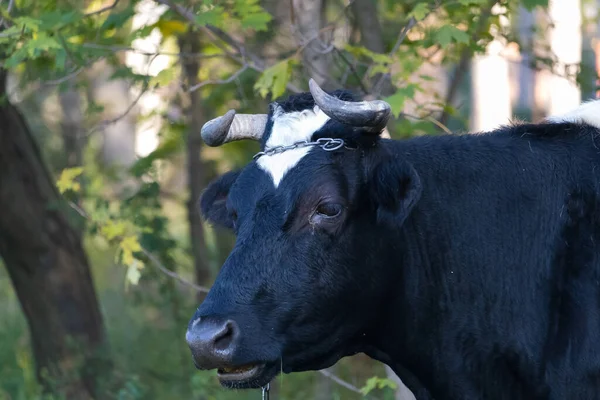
[{"x": 470, "y": 264}]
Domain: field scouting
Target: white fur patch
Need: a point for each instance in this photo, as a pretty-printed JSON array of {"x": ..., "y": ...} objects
[
  {"x": 289, "y": 128},
  {"x": 587, "y": 113}
]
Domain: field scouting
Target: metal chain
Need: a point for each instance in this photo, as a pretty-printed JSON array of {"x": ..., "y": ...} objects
[
  {"x": 327, "y": 144},
  {"x": 265, "y": 391}
]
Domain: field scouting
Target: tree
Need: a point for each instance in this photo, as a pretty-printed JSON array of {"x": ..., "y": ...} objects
[
  {"x": 197, "y": 170},
  {"x": 199, "y": 59},
  {"x": 47, "y": 264}
]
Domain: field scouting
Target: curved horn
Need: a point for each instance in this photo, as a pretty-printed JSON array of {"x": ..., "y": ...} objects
[
  {"x": 369, "y": 115},
  {"x": 230, "y": 127}
]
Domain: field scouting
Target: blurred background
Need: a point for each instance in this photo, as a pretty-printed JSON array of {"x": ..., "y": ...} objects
[{"x": 103, "y": 256}]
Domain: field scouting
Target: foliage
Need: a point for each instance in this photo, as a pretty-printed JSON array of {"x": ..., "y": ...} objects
[
  {"x": 378, "y": 383},
  {"x": 135, "y": 215}
]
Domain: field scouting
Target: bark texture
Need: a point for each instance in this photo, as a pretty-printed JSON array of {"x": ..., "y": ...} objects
[
  {"x": 307, "y": 21},
  {"x": 46, "y": 263},
  {"x": 196, "y": 168},
  {"x": 371, "y": 34}
]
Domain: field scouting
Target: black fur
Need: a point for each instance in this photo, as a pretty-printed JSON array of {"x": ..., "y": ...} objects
[{"x": 468, "y": 263}]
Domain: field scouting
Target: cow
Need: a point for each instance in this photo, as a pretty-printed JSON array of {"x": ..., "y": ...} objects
[{"x": 468, "y": 263}]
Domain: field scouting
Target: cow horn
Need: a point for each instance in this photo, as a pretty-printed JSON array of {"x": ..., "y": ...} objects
[
  {"x": 230, "y": 127},
  {"x": 369, "y": 115}
]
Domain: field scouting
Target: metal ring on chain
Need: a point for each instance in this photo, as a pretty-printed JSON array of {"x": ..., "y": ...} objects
[{"x": 327, "y": 144}]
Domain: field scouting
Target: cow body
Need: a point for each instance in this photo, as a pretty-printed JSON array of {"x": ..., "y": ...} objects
[
  {"x": 467, "y": 263},
  {"x": 497, "y": 285}
]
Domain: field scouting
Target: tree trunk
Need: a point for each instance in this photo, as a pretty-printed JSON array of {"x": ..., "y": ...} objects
[
  {"x": 71, "y": 126},
  {"x": 46, "y": 263},
  {"x": 527, "y": 74},
  {"x": 196, "y": 169},
  {"x": 367, "y": 21},
  {"x": 72, "y": 133},
  {"x": 307, "y": 20}
]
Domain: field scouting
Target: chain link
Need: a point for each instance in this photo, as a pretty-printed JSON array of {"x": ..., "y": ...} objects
[
  {"x": 327, "y": 144},
  {"x": 265, "y": 391}
]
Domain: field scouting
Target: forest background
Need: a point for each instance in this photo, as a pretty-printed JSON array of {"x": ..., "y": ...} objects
[{"x": 103, "y": 255}]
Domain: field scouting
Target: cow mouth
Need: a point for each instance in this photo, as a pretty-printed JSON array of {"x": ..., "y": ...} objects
[{"x": 244, "y": 376}]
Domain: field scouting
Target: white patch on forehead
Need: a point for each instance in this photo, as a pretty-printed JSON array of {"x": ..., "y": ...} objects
[
  {"x": 587, "y": 113},
  {"x": 289, "y": 128}
]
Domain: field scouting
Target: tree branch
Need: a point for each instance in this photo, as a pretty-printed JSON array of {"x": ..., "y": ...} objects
[
  {"x": 114, "y": 49},
  {"x": 150, "y": 256},
  {"x": 234, "y": 76},
  {"x": 243, "y": 55},
  {"x": 108, "y": 122},
  {"x": 340, "y": 381},
  {"x": 102, "y": 10},
  {"x": 401, "y": 36},
  {"x": 172, "y": 274}
]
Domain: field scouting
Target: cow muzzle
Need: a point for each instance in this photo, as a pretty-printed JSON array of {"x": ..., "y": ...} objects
[{"x": 213, "y": 343}]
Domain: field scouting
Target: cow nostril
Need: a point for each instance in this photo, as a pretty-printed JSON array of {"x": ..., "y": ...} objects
[{"x": 222, "y": 340}]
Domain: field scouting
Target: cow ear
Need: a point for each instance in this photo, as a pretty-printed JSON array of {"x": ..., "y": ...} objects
[
  {"x": 213, "y": 202},
  {"x": 396, "y": 188}
]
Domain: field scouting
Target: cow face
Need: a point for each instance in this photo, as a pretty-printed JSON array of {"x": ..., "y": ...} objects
[{"x": 307, "y": 278}]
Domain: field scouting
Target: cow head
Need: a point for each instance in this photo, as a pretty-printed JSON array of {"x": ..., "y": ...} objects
[{"x": 306, "y": 283}]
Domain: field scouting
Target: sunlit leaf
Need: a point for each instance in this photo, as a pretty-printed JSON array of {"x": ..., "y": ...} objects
[
  {"x": 113, "y": 229},
  {"x": 133, "y": 272},
  {"x": 66, "y": 181},
  {"x": 378, "y": 383},
  {"x": 359, "y": 51},
  {"x": 274, "y": 79},
  {"x": 169, "y": 28}
]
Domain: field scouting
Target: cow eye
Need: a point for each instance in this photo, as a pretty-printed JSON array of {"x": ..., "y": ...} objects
[{"x": 329, "y": 210}]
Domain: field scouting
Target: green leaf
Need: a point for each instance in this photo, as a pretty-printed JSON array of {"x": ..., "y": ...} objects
[
  {"x": 60, "y": 59},
  {"x": 274, "y": 79},
  {"x": 252, "y": 15},
  {"x": 55, "y": 20},
  {"x": 118, "y": 19},
  {"x": 113, "y": 229},
  {"x": 420, "y": 11},
  {"x": 171, "y": 27},
  {"x": 27, "y": 23},
  {"x": 128, "y": 246},
  {"x": 42, "y": 43},
  {"x": 448, "y": 33},
  {"x": 397, "y": 100},
  {"x": 164, "y": 77},
  {"x": 210, "y": 17},
  {"x": 66, "y": 181},
  {"x": 378, "y": 383},
  {"x": 257, "y": 21},
  {"x": 359, "y": 51},
  {"x": 531, "y": 4}
]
